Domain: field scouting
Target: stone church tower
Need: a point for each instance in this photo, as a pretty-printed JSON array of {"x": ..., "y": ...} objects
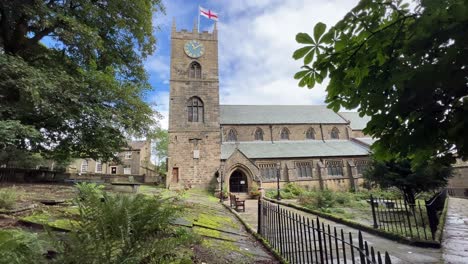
[{"x": 194, "y": 129}]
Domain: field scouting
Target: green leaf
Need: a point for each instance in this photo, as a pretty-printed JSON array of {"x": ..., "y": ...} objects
[
  {"x": 299, "y": 53},
  {"x": 327, "y": 38},
  {"x": 303, "y": 82},
  {"x": 300, "y": 74},
  {"x": 340, "y": 45},
  {"x": 308, "y": 58},
  {"x": 311, "y": 82},
  {"x": 304, "y": 38},
  {"x": 319, "y": 29}
]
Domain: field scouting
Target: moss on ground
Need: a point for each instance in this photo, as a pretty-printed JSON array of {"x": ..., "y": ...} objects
[
  {"x": 51, "y": 221},
  {"x": 214, "y": 221}
]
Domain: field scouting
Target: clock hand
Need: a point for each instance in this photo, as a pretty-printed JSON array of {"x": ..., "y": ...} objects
[{"x": 196, "y": 47}]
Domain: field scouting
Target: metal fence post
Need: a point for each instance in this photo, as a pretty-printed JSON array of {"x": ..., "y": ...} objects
[
  {"x": 373, "y": 212},
  {"x": 259, "y": 216}
]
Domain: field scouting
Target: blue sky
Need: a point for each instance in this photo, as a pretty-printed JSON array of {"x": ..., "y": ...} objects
[{"x": 256, "y": 42}]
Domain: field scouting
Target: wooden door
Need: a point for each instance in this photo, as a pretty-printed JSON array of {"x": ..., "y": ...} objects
[{"x": 175, "y": 175}]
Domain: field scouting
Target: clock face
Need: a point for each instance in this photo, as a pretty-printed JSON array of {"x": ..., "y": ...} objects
[{"x": 194, "y": 49}]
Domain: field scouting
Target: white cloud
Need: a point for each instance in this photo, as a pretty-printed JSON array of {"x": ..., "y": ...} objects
[
  {"x": 256, "y": 44},
  {"x": 159, "y": 65},
  {"x": 160, "y": 100}
]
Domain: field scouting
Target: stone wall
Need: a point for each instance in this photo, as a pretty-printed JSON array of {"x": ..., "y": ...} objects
[
  {"x": 194, "y": 147},
  {"x": 288, "y": 172},
  {"x": 460, "y": 175},
  {"x": 297, "y": 131}
]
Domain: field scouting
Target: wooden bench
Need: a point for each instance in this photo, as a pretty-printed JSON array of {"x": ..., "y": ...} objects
[{"x": 236, "y": 202}]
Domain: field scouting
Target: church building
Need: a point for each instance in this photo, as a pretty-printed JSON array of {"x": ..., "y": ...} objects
[{"x": 245, "y": 144}]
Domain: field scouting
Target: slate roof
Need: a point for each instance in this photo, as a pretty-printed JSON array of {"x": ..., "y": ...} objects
[
  {"x": 295, "y": 149},
  {"x": 278, "y": 114},
  {"x": 356, "y": 122},
  {"x": 366, "y": 140}
]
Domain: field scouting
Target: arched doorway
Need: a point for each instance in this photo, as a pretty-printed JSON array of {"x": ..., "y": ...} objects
[{"x": 238, "y": 182}]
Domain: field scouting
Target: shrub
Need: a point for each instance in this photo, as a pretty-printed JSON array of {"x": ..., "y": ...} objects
[
  {"x": 123, "y": 229},
  {"x": 254, "y": 191},
  {"x": 343, "y": 198},
  {"x": 317, "y": 200},
  {"x": 293, "y": 189},
  {"x": 19, "y": 247},
  {"x": 7, "y": 198}
]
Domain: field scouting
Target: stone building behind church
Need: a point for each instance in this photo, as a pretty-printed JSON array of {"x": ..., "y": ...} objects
[{"x": 307, "y": 144}]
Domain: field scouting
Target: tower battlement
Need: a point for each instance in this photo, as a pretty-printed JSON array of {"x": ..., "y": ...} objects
[{"x": 194, "y": 34}]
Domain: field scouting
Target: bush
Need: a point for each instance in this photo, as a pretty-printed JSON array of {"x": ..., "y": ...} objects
[
  {"x": 343, "y": 198},
  {"x": 123, "y": 229},
  {"x": 293, "y": 189},
  {"x": 318, "y": 200},
  {"x": 7, "y": 198},
  {"x": 19, "y": 247}
]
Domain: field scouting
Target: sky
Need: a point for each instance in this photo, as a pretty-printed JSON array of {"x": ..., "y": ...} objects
[{"x": 256, "y": 40}]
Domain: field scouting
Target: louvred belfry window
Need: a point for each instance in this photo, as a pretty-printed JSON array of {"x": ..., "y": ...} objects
[
  {"x": 195, "y": 110},
  {"x": 195, "y": 70}
]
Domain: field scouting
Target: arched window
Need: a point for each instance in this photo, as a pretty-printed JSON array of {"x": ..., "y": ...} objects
[
  {"x": 284, "y": 134},
  {"x": 335, "y": 133},
  {"x": 259, "y": 134},
  {"x": 310, "y": 134},
  {"x": 232, "y": 135},
  {"x": 195, "y": 110},
  {"x": 195, "y": 70}
]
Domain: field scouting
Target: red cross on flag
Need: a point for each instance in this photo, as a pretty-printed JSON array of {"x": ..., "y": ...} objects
[{"x": 208, "y": 14}]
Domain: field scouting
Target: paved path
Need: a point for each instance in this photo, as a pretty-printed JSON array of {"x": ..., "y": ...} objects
[
  {"x": 455, "y": 237},
  {"x": 225, "y": 239},
  {"x": 400, "y": 253}
]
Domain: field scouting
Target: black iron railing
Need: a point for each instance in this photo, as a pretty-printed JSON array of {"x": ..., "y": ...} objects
[
  {"x": 434, "y": 207},
  {"x": 418, "y": 220},
  {"x": 300, "y": 239}
]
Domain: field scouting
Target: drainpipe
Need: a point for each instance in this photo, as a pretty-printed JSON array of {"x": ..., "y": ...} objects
[
  {"x": 271, "y": 133},
  {"x": 321, "y": 132}
]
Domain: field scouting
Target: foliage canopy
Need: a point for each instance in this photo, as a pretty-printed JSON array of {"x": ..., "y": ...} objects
[
  {"x": 427, "y": 176},
  {"x": 81, "y": 95},
  {"x": 405, "y": 65}
]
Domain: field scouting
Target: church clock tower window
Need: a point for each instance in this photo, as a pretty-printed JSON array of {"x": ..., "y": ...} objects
[
  {"x": 195, "y": 110},
  {"x": 195, "y": 70}
]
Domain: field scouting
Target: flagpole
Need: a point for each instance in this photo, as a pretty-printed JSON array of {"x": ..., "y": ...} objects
[{"x": 198, "y": 29}]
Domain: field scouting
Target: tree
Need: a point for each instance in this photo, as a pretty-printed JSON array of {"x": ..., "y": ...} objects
[
  {"x": 161, "y": 139},
  {"x": 410, "y": 181},
  {"x": 81, "y": 95},
  {"x": 405, "y": 66}
]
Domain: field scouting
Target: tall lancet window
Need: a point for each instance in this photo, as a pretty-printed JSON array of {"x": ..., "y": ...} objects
[
  {"x": 195, "y": 70},
  {"x": 259, "y": 134},
  {"x": 335, "y": 133},
  {"x": 195, "y": 110},
  {"x": 284, "y": 135},
  {"x": 310, "y": 134},
  {"x": 232, "y": 135}
]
